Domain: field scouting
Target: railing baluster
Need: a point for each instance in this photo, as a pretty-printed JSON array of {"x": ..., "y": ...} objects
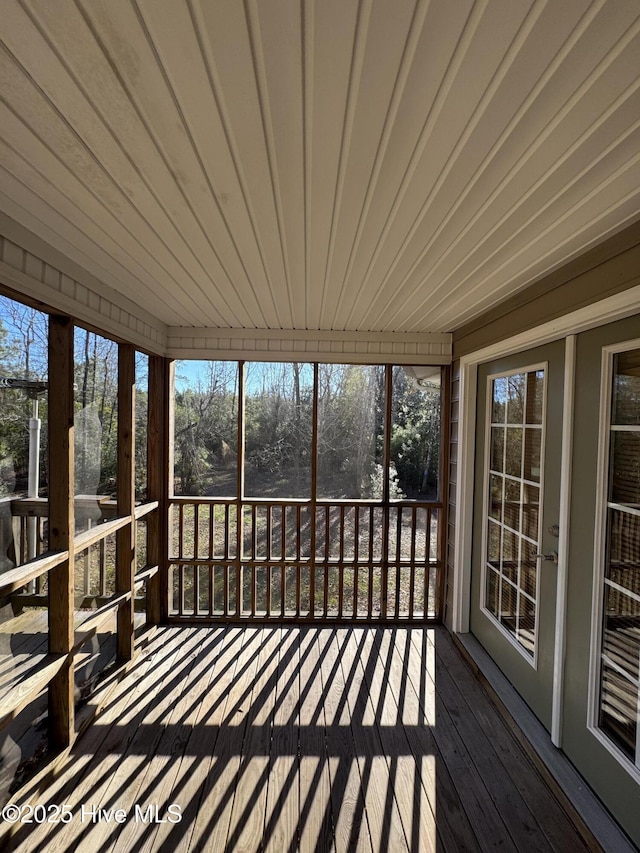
[
  {"x": 181, "y": 530},
  {"x": 268, "y": 566},
  {"x": 356, "y": 557},
  {"x": 327, "y": 551},
  {"x": 298, "y": 553},
  {"x": 227, "y": 568},
  {"x": 211, "y": 530},
  {"x": 254, "y": 557},
  {"x": 196, "y": 531},
  {"x": 398, "y": 558},
  {"x": 102, "y": 557},
  {"x": 370, "y": 572},
  {"x": 341, "y": 566},
  {"x": 412, "y": 570},
  {"x": 283, "y": 554},
  {"x": 427, "y": 561}
]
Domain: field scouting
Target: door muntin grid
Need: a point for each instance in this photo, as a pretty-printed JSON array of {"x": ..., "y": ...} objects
[
  {"x": 618, "y": 690},
  {"x": 513, "y": 495}
]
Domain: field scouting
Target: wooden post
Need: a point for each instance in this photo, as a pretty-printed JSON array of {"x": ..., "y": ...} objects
[
  {"x": 443, "y": 489},
  {"x": 126, "y": 536},
  {"x": 240, "y": 490},
  {"x": 61, "y": 526},
  {"x": 314, "y": 495},
  {"x": 169, "y": 482},
  {"x": 384, "y": 574},
  {"x": 157, "y": 488}
]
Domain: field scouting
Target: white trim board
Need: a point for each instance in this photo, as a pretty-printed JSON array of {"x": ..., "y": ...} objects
[{"x": 566, "y": 465}]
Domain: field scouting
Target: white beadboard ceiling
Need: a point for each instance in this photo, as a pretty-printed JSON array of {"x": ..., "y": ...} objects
[{"x": 348, "y": 165}]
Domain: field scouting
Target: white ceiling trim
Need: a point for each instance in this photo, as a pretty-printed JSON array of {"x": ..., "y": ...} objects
[
  {"x": 335, "y": 347},
  {"x": 35, "y": 277}
]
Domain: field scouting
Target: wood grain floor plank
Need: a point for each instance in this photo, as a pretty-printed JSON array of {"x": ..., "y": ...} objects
[
  {"x": 291, "y": 738},
  {"x": 211, "y": 827},
  {"x": 249, "y": 805},
  {"x": 283, "y": 795},
  {"x": 385, "y": 825},
  {"x": 316, "y": 832},
  {"x": 417, "y": 720},
  {"x": 472, "y": 702}
]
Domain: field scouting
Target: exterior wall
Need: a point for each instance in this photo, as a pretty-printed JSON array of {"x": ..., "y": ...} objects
[
  {"x": 617, "y": 787},
  {"x": 597, "y": 299},
  {"x": 610, "y": 268}
]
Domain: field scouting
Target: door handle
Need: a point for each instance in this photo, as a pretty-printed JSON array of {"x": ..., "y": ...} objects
[{"x": 550, "y": 558}]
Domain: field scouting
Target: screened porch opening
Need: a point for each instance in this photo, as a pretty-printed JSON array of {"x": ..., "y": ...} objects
[
  {"x": 136, "y": 490},
  {"x": 306, "y": 492}
]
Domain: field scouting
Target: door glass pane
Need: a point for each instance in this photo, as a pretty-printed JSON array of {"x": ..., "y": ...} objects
[
  {"x": 493, "y": 591},
  {"x": 512, "y": 503},
  {"x": 508, "y": 606},
  {"x": 512, "y": 493},
  {"x": 625, "y": 473},
  {"x": 510, "y": 546},
  {"x": 621, "y": 634},
  {"x": 499, "y": 401},
  {"x": 513, "y": 456},
  {"x": 530, "y": 511},
  {"x": 535, "y": 396},
  {"x": 623, "y": 549},
  {"x": 626, "y": 388},
  {"x": 493, "y": 547},
  {"x": 497, "y": 449},
  {"x": 532, "y": 453},
  {"x": 620, "y": 644},
  {"x": 515, "y": 398},
  {"x": 496, "y": 502},
  {"x": 527, "y": 623},
  {"x": 618, "y": 709}
]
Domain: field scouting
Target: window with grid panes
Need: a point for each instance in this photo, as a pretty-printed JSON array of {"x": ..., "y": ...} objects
[{"x": 513, "y": 500}]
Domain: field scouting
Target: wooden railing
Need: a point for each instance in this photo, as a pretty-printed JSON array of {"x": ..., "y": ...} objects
[
  {"x": 306, "y": 561},
  {"x": 54, "y": 568},
  {"x": 97, "y": 522}
]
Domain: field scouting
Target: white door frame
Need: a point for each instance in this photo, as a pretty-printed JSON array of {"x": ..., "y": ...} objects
[{"x": 600, "y": 313}]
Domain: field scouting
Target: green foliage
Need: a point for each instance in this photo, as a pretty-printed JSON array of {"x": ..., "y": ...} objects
[
  {"x": 205, "y": 436},
  {"x": 415, "y": 435}
]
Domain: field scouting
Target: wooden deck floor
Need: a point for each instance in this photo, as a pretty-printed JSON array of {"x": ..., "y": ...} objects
[{"x": 285, "y": 739}]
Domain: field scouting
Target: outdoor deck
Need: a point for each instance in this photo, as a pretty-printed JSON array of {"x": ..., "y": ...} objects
[{"x": 299, "y": 738}]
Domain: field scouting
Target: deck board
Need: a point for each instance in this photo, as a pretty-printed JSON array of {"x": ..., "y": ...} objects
[{"x": 301, "y": 738}]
